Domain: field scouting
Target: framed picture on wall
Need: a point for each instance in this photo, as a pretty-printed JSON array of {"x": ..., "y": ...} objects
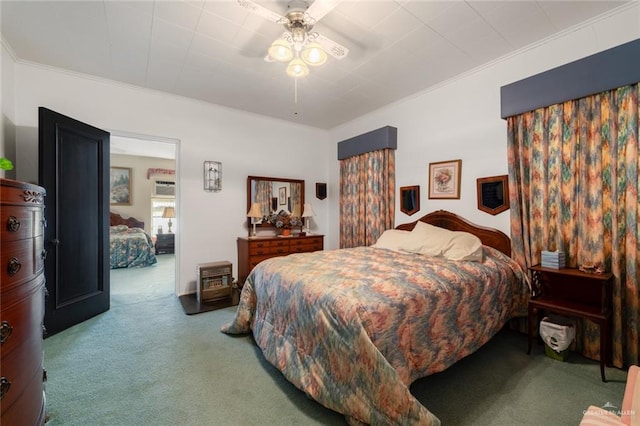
[
  {"x": 282, "y": 195},
  {"x": 120, "y": 186},
  {"x": 444, "y": 179}
]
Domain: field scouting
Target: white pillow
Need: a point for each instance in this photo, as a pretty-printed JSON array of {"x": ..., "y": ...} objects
[
  {"x": 432, "y": 239},
  {"x": 454, "y": 245},
  {"x": 398, "y": 240},
  {"x": 464, "y": 246}
]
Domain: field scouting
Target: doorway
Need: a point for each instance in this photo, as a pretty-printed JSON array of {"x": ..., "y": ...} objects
[{"x": 153, "y": 164}]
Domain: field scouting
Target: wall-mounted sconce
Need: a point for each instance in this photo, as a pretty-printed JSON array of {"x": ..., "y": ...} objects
[{"x": 212, "y": 176}]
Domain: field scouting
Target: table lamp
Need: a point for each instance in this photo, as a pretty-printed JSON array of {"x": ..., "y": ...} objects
[
  {"x": 255, "y": 212},
  {"x": 169, "y": 212},
  {"x": 308, "y": 213}
]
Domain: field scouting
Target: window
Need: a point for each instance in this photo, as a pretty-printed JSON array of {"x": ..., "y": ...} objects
[{"x": 159, "y": 224}]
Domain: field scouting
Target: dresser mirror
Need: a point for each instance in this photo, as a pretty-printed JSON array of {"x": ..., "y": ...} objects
[{"x": 274, "y": 195}]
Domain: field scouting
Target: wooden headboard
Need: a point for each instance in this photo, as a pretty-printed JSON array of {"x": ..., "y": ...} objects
[
  {"x": 444, "y": 219},
  {"x": 131, "y": 222}
]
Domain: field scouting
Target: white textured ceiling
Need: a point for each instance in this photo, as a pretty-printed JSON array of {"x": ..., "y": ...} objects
[{"x": 213, "y": 50}]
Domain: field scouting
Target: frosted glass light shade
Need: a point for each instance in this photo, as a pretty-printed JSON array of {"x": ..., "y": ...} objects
[
  {"x": 280, "y": 50},
  {"x": 314, "y": 55},
  {"x": 297, "y": 68}
]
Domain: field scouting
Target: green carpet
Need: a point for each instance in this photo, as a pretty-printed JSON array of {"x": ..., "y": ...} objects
[{"x": 144, "y": 362}]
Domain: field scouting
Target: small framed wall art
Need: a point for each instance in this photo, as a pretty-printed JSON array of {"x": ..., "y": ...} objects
[
  {"x": 410, "y": 199},
  {"x": 493, "y": 194},
  {"x": 444, "y": 179},
  {"x": 120, "y": 186}
]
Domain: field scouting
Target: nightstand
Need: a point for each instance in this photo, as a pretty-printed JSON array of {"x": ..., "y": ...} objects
[
  {"x": 571, "y": 292},
  {"x": 165, "y": 243}
]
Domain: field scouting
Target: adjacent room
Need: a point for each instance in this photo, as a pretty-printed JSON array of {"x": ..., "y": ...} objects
[{"x": 320, "y": 212}]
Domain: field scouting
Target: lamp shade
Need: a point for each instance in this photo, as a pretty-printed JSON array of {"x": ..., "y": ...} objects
[
  {"x": 297, "y": 68},
  {"x": 281, "y": 51},
  {"x": 255, "y": 211},
  {"x": 314, "y": 55},
  {"x": 169, "y": 212},
  {"x": 308, "y": 210}
]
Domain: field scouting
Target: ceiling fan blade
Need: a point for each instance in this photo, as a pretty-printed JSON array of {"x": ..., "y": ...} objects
[
  {"x": 319, "y": 8},
  {"x": 265, "y": 13},
  {"x": 333, "y": 48}
]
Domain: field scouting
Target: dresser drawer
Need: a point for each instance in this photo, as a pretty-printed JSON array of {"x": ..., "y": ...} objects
[
  {"x": 269, "y": 249},
  {"x": 29, "y": 409},
  {"x": 24, "y": 399},
  {"x": 21, "y": 367},
  {"x": 257, "y": 259},
  {"x": 306, "y": 245},
  {"x": 21, "y": 314},
  {"x": 278, "y": 242},
  {"x": 21, "y": 260},
  {"x": 19, "y": 223}
]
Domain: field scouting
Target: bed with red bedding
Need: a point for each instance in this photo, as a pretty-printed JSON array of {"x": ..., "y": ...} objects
[{"x": 353, "y": 328}]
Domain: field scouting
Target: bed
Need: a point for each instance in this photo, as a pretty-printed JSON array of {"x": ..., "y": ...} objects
[
  {"x": 353, "y": 328},
  {"x": 129, "y": 245}
]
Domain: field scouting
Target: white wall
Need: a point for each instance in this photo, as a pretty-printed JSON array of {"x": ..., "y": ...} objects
[
  {"x": 7, "y": 109},
  {"x": 246, "y": 144},
  {"x": 461, "y": 118}
]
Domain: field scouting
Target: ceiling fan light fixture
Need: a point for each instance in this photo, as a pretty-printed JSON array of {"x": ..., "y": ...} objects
[
  {"x": 297, "y": 68},
  {"x": 314, "y": 55},
  {"x": 280, "y": 50}
]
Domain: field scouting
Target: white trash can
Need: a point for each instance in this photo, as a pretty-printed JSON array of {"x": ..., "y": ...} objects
[{"x": 557, "y": 334}]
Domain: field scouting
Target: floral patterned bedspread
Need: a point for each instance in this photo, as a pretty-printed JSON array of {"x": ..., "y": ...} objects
[
  {"x": 353, "y": 328},
  {"x": 130, "y": 247}
]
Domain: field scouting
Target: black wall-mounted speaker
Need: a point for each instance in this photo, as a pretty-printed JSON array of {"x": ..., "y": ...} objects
[{"x": 321, "y": 191}]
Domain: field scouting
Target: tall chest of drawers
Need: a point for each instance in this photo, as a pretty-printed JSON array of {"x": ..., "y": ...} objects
[
  {"x": 252, "y": 251},
  {"x": 22, "y": 303}
]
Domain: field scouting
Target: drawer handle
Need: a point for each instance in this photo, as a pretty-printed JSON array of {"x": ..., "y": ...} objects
[
  {"x": 13, "y": 266},
  {"x": 5, "y": 331},
  {"x": 5, "y": 384},
  {"x": 13, "y": 224}
]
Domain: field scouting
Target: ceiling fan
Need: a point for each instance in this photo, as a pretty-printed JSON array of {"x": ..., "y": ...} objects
[{"x": 299, "y": 45}]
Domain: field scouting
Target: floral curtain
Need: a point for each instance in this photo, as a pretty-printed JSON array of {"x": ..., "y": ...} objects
[
  {"x": 573, "y": 184},
  {"x": 367, "y": 191},
  {"x": 264, "y": 191}
]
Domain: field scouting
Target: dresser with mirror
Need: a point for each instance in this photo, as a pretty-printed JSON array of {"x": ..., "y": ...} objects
[{"x": 274, "y": 195}]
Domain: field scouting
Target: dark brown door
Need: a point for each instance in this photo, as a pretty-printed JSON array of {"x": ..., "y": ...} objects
[{"x": 74, "y": 169}]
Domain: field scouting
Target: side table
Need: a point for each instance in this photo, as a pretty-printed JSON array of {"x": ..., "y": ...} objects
[
  {"x": 165, "y": 243},
  {"x": 571, "y": 292}
]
